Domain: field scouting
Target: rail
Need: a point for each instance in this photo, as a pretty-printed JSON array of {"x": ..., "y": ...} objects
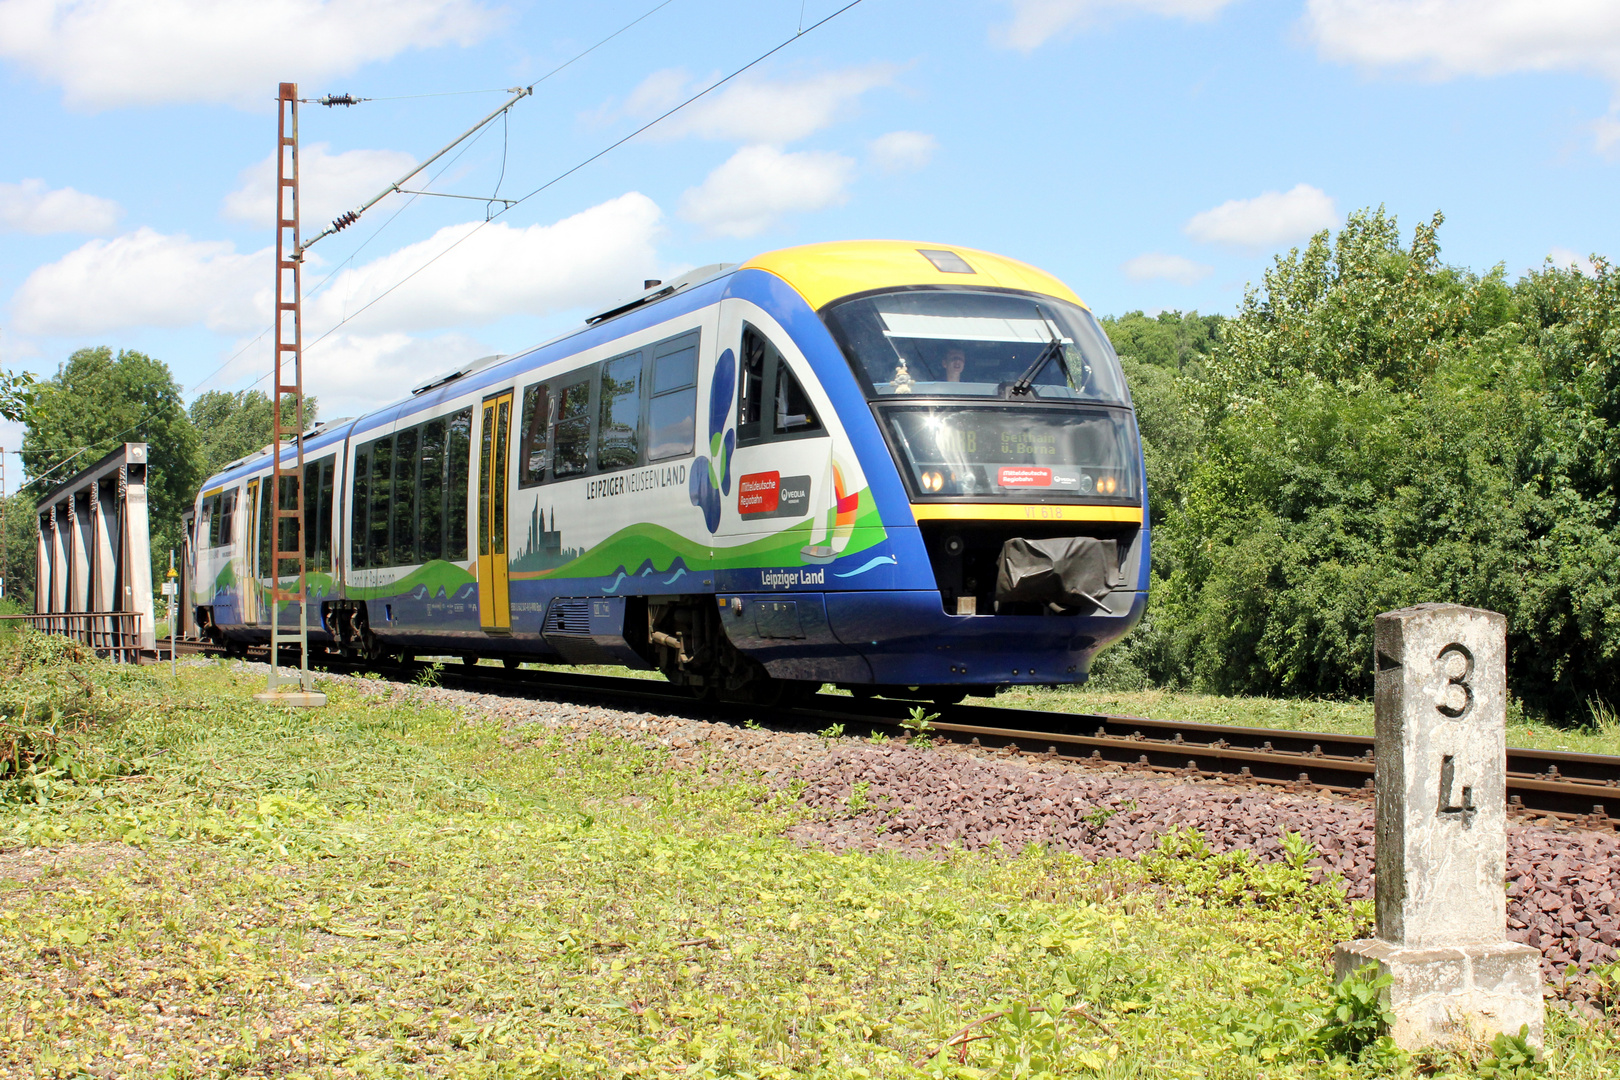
[
  {"x": 1579, "y": 788},
  {"x": 116, "y": 633}
]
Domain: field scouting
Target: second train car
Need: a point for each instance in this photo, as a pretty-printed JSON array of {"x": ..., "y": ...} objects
[{"x": 903, "y": 468}]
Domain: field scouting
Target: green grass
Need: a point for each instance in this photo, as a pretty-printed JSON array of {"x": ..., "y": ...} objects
[{"x": 192, "y": 884}]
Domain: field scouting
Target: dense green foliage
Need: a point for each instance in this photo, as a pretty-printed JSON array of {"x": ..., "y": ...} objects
[
  {"x": 1376, "y": 429},
  {"x": 96, "y": 402},
  {"x": 232, "y": 425}
]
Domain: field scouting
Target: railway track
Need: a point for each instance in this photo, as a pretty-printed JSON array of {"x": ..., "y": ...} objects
[{"x": 1581, "y": 788}]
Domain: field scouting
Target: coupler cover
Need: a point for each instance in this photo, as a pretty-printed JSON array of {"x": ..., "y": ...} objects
[{"x": 1070, "y": 571}]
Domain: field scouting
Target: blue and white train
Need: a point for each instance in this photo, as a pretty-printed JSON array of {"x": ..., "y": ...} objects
[{"x": 905, "y": 469}]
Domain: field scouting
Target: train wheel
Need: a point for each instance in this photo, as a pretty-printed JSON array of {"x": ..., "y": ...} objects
[
  {"x": 470, "y": 659},
  {"x": 947, "y": 697},
  {"x": 511, "y": 663},
  {"x": 862, "y": 693}
]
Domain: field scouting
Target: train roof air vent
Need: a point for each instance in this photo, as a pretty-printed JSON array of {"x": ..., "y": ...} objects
[
  {"x": 459, "y": 373},
  {"x": 657, "y": 290}
]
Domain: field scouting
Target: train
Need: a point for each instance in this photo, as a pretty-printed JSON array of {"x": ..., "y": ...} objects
[{"x": 904, "y": 469}]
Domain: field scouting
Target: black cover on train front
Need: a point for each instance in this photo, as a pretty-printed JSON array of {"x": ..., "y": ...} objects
[{"x": 1071, "y": 571}]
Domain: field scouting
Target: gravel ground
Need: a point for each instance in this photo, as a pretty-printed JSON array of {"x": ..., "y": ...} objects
[{"x": 1562, "y": 881}]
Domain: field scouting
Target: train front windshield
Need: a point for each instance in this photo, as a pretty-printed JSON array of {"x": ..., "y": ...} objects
[{"x": 994, "y": 395}]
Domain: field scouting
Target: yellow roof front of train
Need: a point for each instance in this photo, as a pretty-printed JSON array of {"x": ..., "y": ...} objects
[{"x": 824, "y": 272}]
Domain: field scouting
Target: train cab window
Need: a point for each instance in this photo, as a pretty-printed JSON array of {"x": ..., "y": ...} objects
[
  {"x": 359, "y": 507},
  {"x": 536, "y": 427},
  {"x": 672, "y": 413},
  {"x": 458, "y": 459},
  {"x": 404, "y": 508},
  {"x": 617, "y": 444},
  {"x": 210, "y": 519},
  {"x": 430, "y": 493},
  {"x": 572, "y": 441},
  {"x": 771, "y": 403}
]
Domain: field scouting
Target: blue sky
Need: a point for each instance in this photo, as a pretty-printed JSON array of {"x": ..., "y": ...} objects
[{"x": 1152, "y": 153}]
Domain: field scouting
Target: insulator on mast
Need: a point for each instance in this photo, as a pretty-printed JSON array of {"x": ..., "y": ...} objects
[
  {"x": 338, "y": 99},
  {"x": 343, "y": 221}
]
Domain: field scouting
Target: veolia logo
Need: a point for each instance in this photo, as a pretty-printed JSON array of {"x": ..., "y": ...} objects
[{"x": 711, "y": 476}]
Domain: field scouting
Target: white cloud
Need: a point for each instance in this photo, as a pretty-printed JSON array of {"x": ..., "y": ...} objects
[
  {"x": 1155, "y": 266},
  {"x": 355, "y": 373},
  {"x": 1563, "y": 256},
  {"x": 1034, "y": 22},
  {"x": 499, "y": 270},
  {"x": 329, "y": 183},
  {"x": 1268, "y": 220},
  {"x": 903, "y": 151},
  {"x": 758, "y": 184},
  {"x": 757, "y": 110},
  {"x": 106, "y": 53},
  {"x": 31, "y": 207},
  {"x": 146, "y": 278},
  {"x": 1446, "y": 38},
  {"x": 1606, "y": 134}
]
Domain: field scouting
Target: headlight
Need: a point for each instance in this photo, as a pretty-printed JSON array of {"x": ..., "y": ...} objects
[{"x": 932, "y": 481}]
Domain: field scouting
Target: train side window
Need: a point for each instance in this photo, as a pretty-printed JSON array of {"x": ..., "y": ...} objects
[
  {"x": 430, "y": 492},
  {"x": 288, "y": 526},
  {"x": 458, "y": 457},
  {"x": 536, "y": 427},
  {"x": 318, "y": 515},
  {"x": 772, "y": 403},
  {"x": 572, "y": 441},
  {"x": 757, "y": 355},
  {"x": 672, "y": 413},
  {"x": 227, "y": 512},
  {"x": 267, "y": 513},
  {"x": 616, "y": 435},
  {"x": 359, "y": 506},
  {"x": 382, "y": 464},
  {"x": 405, "y": 462},
  {"x": 794, "y": 413}
]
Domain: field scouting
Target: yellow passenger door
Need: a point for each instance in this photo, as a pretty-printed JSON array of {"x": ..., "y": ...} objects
[{"x": 494, "y": 595}]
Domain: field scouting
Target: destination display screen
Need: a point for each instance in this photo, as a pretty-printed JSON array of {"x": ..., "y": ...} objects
[{"x": 1030, "y": 454}]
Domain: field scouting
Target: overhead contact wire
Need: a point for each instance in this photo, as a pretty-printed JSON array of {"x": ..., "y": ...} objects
[{"x": 594, "y": 157}]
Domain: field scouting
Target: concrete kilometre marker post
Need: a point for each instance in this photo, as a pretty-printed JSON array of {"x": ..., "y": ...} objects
[{"x": 1440, "y": 697}]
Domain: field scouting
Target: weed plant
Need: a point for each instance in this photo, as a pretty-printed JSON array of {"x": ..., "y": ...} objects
[{"x": 208, "y": 886}]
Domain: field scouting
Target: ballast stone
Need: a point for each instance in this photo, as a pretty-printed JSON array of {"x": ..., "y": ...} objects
[{"x": 1440, "y": 705}]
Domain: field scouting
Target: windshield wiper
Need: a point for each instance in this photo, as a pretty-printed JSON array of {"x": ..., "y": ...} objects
[{"x": 1052, "y": 348}]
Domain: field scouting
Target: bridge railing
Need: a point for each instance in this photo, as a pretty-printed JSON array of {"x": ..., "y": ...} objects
[{"x": 117, "y": 634}]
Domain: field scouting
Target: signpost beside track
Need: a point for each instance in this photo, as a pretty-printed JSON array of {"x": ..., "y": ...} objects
[{"x": 1440, "y": 701}]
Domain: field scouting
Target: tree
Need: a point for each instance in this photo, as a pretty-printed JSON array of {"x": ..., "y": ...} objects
[
  {"x": 19, "y": 549},
  {"x": 93, "y": 404},
  {"x": 233, "y": 425},
  {"x": 16, "y": 391},
  {"x": 1377, "y": 429}
]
